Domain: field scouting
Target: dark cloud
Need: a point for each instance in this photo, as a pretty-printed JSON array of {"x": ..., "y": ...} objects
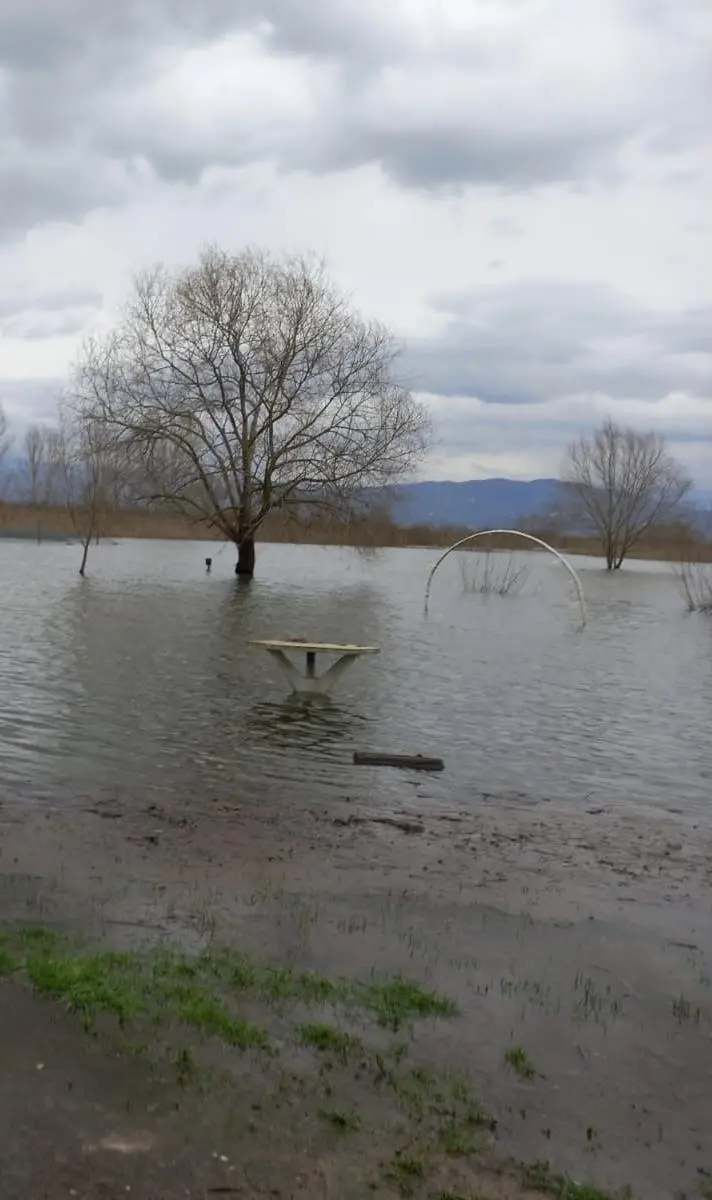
[
  {"x": 433, "y": 105},
  {"x": 534, "y": 342}
]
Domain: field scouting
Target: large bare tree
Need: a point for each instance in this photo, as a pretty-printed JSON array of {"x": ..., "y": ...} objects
[
  {"x": 248, "y": 384},
  {"x": 624, "y": 482}
]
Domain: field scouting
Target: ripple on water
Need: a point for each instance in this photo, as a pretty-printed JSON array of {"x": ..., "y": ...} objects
[{"x": 141, "y": 677}]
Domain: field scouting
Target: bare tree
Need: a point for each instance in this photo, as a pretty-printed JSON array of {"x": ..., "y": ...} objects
[
  {"x": 624, "y": 483},
  {"x": 5, "y": 445},
  {"x": 248, "y": 384},
  {"x": 41, "y": 468},
  {"x": 90, "y": 476}
]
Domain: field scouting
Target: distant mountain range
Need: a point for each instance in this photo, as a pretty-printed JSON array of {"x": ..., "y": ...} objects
[
  {"x": 496, "y": 503},
  {"x": 473, "y": 504},
  {"x": 476, "y": 503}
]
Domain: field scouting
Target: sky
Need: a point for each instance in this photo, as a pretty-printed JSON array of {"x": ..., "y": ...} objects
[{"x": 521, "y": 189}]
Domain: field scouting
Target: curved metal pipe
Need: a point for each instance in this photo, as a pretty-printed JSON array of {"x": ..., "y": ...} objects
[{"x": 512, "y": 533}]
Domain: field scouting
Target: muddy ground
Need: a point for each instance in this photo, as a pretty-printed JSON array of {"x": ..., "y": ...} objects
[{"x": 582, "y": 939}]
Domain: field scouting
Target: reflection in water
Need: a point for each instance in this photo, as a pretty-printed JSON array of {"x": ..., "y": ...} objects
[
  {"x": 297, "y": 724},
  {"x": 141, "y": 677}
]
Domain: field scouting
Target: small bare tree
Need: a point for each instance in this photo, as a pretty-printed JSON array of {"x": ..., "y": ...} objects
[
  {"x": 245, "y": 385},
  {"x": 624, "y": 483},
  {"x": 5, "y": 446},
  {"x": 90, "y": 476},
  {"x": 42, "y": 462}
]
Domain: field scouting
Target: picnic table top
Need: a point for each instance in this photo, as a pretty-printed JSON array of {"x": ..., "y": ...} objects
[{"x": 313, "y": 647}]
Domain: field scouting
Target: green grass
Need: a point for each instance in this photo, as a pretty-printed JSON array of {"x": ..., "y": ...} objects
[
  {"x": 394, "y": 1002},
  {"x": 561, "y": 1187},
  {"x": 517, "y": 1058},
  {"x": 329, "y": 1040},
  {"x": 459, "y": 1138},
  {"x": 343, "y": 1120},
  {"x": 406, "y": 1172},
  {"x": 397, "y": 1001},
  {"x": 7, "y": 962},
  {"x": 203, "y": 993},
  {"x": 200, "y": 992}
]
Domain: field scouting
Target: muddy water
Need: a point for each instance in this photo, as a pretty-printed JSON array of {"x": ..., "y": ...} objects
[
  {"x": 141, "y": 674},
  {"x": 556, "y": 877}
]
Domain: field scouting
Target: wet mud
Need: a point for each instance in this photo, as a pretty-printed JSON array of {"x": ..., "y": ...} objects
[{"x": 583, "y": 939}]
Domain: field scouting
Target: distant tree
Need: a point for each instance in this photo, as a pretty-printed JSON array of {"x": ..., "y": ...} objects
[
  {"x": 90, "y": 476},
  {"x": 40, "y": 470},
  {"x": 5, "y": 446},
  {"x": 246, "y": 385},
  {"x": 625, "y": 483}
]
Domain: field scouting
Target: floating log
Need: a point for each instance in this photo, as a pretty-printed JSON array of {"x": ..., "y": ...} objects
[{"x": 413, "y": 762}]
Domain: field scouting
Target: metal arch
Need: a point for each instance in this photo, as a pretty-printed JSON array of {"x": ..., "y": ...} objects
[{"x": 513, "y": 533}]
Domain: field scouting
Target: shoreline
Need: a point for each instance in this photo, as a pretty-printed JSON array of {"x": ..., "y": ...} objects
[
  {"x": 21, "y": 523},
  {"x": 581, "y": 940}
]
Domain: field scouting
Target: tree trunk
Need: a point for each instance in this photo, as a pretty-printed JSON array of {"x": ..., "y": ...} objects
[
  {"x": 245, "y": 565},
  {"x": 85, "y": 556}
]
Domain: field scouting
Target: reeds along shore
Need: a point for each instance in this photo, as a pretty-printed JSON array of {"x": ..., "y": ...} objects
[{"x": 669, "y": 543}]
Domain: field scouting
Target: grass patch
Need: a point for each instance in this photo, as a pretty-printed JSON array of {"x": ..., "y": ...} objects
[
  {"x": 7, "y": 962},
  {"x": 328, "y": 1040},
  {"x": 201, "y": 992},
  {"x": 406, "y": 1172},
  {"x": 561, "y": 1187},
  {"x": 394, "y": 1002},
  {"x": 460, "y": 1139},
  {"x": 342, "y": 1119},
  {"x": 398, "y": 1001},
  {"x": 517, "y": 1058},
  {"x": 160, "y": 987}
]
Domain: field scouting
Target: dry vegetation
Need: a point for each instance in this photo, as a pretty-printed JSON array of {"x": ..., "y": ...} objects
[
  {"x": 670, "y": 543},
  {"x": 695, "y": 580}
]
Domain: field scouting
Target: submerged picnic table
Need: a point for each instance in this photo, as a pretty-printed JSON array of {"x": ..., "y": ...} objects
[{"x": 310, "y": 682}]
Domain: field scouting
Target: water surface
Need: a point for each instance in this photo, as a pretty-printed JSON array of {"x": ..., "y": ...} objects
[{"x": 139, "y": 678}]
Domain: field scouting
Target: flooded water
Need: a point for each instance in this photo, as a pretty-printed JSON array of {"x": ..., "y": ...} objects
[
  {"x": 140, "y": 677},
  {"x": 157, "y": 781}
]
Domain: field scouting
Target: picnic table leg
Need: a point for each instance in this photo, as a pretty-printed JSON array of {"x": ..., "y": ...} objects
[
  {"x": 311, "y": 683},
  {"x": 331, "y": 677},
  {"x": 296, "y": 679}
]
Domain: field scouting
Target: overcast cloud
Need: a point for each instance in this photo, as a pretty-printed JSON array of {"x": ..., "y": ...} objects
[{"x": 520, "y": 187}]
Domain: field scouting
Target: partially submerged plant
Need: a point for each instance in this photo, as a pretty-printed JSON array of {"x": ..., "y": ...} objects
[
  {"x": 491, "y": 574},
  {"x": 695, "y": 582}
]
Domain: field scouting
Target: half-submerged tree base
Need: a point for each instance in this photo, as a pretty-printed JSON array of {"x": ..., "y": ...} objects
[{"x": 245, "y": 565}]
